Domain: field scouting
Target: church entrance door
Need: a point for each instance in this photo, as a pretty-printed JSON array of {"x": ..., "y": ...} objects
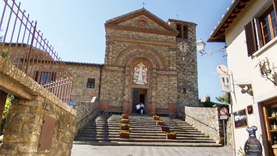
[{"x": 139, "y": 95}]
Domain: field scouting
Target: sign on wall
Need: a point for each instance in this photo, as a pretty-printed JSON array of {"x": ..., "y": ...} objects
[
  {"x": 225, "y": 83},
  {"x": 240, "y": 118},
  {"x": 221, "y": 69},
  {"x": 72, "y": 103}
]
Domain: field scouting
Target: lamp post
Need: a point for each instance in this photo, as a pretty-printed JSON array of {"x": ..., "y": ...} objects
[{"x": 200, "y": 44}]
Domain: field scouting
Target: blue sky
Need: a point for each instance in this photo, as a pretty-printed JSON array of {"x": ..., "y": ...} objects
[{"x": 76, "y": 28}]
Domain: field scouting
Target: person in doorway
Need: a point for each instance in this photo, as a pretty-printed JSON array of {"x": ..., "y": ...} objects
[
  {"x": 141, "y": 108},
  {"x": 138, "y": 108}
]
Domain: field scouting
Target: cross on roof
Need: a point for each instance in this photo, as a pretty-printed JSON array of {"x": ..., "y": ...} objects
[
  {"x": 177, "y": 16},
  {"x": 143, "y": 4}
]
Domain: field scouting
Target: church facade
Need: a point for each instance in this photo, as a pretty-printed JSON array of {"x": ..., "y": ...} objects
[{"x": 146, "y": 60}]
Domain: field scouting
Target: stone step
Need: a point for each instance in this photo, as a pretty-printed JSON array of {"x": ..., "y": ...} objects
[
  {"x": 143, "y": 131},
  {"x": 139, "y": 127},
  {"x": 132, "y": 139},
  {"x": 120, "y": 143},
  {"x": 148, "y": 138},
  {"x": 134, "y": 131},
  {"x": 154, "y": 134}
]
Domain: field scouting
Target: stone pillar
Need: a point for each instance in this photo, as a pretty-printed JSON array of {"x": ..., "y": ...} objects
[
  {"x": 154, "y": 90},
  {"x": 109, "y": 52},
  {"x": 127, "y": 91},
  {"x": 23, "y": 129}
]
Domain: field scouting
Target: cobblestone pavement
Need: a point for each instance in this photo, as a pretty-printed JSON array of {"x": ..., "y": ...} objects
[{"x": 90, "y": 150}]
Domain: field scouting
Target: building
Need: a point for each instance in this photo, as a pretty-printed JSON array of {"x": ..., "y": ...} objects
[
  {"x": 147, "y": 60},
  {"x": 249, "y": 28}
]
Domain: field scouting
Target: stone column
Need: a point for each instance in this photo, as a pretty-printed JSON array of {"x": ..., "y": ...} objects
[
  {"x": 109, "y": 52},
  {"x": 127, "y": 90},
  {"x": 172, "y": 58},
  {"x": 154, "y": 90},
  {"x": 24, "y": 128}
]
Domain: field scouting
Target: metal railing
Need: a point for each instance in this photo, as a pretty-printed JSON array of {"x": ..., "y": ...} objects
[{"x": 24, "y": 46}]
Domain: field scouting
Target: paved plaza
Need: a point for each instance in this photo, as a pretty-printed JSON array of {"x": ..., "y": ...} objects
[{"x": 92, "y": 150}]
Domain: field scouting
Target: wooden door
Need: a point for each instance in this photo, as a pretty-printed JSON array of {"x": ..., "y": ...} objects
[{"x": 135, "y": 99}]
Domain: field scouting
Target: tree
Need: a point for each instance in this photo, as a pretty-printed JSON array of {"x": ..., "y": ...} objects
[{"x": 222, "y": 99}]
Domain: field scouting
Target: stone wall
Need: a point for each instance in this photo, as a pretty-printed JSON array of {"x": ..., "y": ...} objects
[
  {"x": 86, "y": 111},
  {"x": 230, "y": 133},
  {"x": 83, "y": 71},
  {"x": 204, "y": 119},
  {"x": 25, "y": 121}
]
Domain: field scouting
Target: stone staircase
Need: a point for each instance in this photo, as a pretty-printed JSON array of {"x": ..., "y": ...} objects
[{"x": 143, "y": 132}]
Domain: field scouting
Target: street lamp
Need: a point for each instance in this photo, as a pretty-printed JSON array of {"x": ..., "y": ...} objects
[{"x": 201, "y": 48}]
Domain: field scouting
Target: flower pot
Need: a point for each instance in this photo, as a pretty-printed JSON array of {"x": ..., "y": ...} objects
[
  {"x": 165, "y": 129},
  {"x": 125, "y": 117},
  {"x": 153, "y": 114},
  {"x": 156, "y": 118},
  {"x": 124, "y": 136},
  {"x": 170, "y": 136},
  {"x": 159, "y": 123},
  {"x": 123, "y": 121},
  {"x": 126, "y": 112},
  {"x": 124, "y": 128}
]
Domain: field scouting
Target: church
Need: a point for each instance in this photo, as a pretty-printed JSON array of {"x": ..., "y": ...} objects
[{"x": 147, "y": 60}]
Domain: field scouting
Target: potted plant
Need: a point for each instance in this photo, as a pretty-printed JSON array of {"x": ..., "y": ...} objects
[
  {"x": 171, "y": 135},
  {"x": 159, "y": 122},
  {"x": 156, "y": 117},
  {"x": 124, "y": 127},
  {"x": 125, "y": 121},
  {"x": 126, "y": 112},
  {"x": 124, "y": 134},
  {"x": 165, "y": 128},
  {"x": 153, "y": 113},
  {"x": 125, "y": 116}
]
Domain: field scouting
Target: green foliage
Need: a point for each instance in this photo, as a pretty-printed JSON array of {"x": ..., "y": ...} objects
[
  {"x": 208, "y": 104},
  {"x": 5, "y": 51},
  {"x": 241, "y": 151},
  {"x": 9, "y": 99},
  {"x": 221, "y": 99}
]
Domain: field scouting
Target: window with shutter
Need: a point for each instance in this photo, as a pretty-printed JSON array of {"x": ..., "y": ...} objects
[
  {"x": 45, "y": 77},
  {"x": 251, "y": 40},
  {"x": 268, "y": 25},
  {"x": 91, "y": 83}
]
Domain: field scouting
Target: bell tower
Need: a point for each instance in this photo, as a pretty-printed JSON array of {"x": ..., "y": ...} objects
[{"x": 186, "y": 63}]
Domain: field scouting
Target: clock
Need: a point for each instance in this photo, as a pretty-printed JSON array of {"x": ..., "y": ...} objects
[{"x": 182, "y": 46}]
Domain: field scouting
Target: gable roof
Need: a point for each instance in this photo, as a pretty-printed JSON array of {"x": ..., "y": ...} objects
[
  {"x": 136, "y": 13},
  {"x": 218, "y": 34}
]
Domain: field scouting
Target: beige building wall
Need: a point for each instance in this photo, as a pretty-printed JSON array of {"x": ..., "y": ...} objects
[{"x": 245, "y": 70}]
